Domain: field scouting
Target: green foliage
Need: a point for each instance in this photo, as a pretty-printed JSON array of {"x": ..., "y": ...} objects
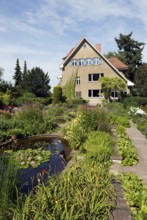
[
  {"x": 8, "y": 181},
  {"x": 125, "y": 148},
  {"x": 18, "y": 74},
  {"x": 141, "y": 121},
  {"x": 37, "y": 82},
  {"x": 27, "y": 157},
  {"x": 32, "y": 121},
  {"x": 110, "y": 85},
  {"x": 136, "y": 195},
  {"x": 94, "y": 119},
  {"x": 116, "y": 108},
  {"x": 84, "y": 191},
  {"x": 131, "y": 51},
  {"x": 87, "y": 120},
  {"x": 69, "y": 88},
  {"x": 141, "y": 80},
  {"x": 99, "y": 145},
  {"x": 57, "y": 94},
  {"x": 24, "y": 99},
  {"x": 75, "y": 133},
  {"x": 113, "y": 54},
  {"x": 135, "y": 101}
]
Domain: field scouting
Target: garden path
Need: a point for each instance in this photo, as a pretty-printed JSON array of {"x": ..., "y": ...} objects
[{"x": 140, "y": 143}]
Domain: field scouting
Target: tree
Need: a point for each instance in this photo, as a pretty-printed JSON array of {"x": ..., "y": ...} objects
[
  {"x": 131, "y": 52},
  {"x": 24, "y": 77},
  {"x": 18, "y": 74},
  {"x": 113, "y": 54},
  {"x": 38, "y": 82},
  {"x": 141, "y": 80},
  {"x": 110, "y": 85},
  {"x": 1, "y": 73}
]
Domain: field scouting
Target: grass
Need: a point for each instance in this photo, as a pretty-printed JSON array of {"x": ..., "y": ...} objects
[
  {"x": 8, "y": 180},
  {"x": 82, "y": 192}
]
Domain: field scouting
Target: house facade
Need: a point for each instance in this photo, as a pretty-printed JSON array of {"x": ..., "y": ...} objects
[{"x": 86, "y": 63}]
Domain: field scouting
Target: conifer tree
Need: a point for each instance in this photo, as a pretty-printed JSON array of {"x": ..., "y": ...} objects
[
  {"x": 131, "y": 52},
  {"x": 18, "y": 74}
]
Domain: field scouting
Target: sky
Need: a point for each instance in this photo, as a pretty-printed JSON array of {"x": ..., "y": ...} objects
[{"x": 41, "y": 32}]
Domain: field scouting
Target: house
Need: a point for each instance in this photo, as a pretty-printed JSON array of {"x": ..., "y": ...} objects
[{"x": 86, "y": 65}]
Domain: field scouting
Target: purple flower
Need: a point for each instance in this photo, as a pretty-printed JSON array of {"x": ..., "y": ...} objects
[{"x": 32, "y": 162}]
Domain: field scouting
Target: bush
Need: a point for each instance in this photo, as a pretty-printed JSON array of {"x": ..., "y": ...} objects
[
  {"x": 99, "y": 145},
  {"x": 26, "y": 98},
  {"x": 57, "y": 94},
  {"x": 135, "y": 101},
  {"x": 124, "y": 121},
  {"x": 92, "y": 119},
  {"x": 116, "y": 108}
]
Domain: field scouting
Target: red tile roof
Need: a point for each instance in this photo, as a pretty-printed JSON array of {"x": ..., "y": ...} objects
[{"x": 117, "y": 63}]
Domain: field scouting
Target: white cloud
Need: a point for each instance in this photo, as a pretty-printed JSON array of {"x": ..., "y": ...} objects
[{"x": 44, "y": 31}]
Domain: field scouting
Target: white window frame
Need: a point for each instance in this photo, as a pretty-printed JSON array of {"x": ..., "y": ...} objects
[
  {"x": 100, "y": 93},
  {"x": 78, "y": 80},
  {"x": 100, "y": 75}
]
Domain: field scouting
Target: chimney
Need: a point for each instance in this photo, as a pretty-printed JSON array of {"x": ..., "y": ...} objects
[{"x": 98, "y": 47}]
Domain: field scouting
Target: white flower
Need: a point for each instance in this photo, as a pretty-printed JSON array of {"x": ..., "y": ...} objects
[{"x": 39, "y": 157}]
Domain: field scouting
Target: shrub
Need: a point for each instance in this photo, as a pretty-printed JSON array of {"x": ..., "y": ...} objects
[
  {"x": 124, "y": 121},
  {"x": 57, "y": 94},
  {"x": 99, "y": 145},
  {"x": 116, "y": 108},
  {"x": 134, "y": 101},
  {"x": 92, "y": 119},
  {"x": 26, "y": 98},
  {"x": 74, "y": 133}
]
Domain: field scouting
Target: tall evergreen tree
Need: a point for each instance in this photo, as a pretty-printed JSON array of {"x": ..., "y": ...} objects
[
  {"x": 141, "y": 80},
  {"x": 38, "y": 82},
  {"x": 1, "y": 72},
  {"x": 131, "y": 52},
  {"x": 24, "y": 77},
  {"x": 18, "y": 74}
]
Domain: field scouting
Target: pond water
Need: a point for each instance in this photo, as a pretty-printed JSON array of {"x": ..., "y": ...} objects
[{"x": 30, "y": 177}]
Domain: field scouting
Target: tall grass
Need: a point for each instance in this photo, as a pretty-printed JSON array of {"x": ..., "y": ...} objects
[
  {"x": 8, "y": 180},
  {"x": 82, "y": 192}
]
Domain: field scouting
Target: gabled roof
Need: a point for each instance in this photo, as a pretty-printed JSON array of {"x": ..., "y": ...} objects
[
  {"x": 117, "y": 63},
  {"x": 74, "y": 50},
  {"x": 68, "y": 53}
]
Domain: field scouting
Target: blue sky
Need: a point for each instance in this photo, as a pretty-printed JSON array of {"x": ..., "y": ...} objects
[{"x": 43, "y": 31}]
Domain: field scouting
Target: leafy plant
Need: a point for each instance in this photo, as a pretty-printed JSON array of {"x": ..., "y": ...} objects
[
  {"x": 99, "y": 145},
  {"x": 8, "y": 181},
  {"x": 126, "y": 150},
  {"x": 82, "y": 192},
  {"x": 33, "y": 157},
  {"x": 136, "y": 195}
]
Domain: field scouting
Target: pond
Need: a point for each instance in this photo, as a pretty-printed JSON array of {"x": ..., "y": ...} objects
[{"x": 37, "y": 159}]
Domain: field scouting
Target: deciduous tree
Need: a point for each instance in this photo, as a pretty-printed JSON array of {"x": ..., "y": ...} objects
[{"x": 110, "y": 85}]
